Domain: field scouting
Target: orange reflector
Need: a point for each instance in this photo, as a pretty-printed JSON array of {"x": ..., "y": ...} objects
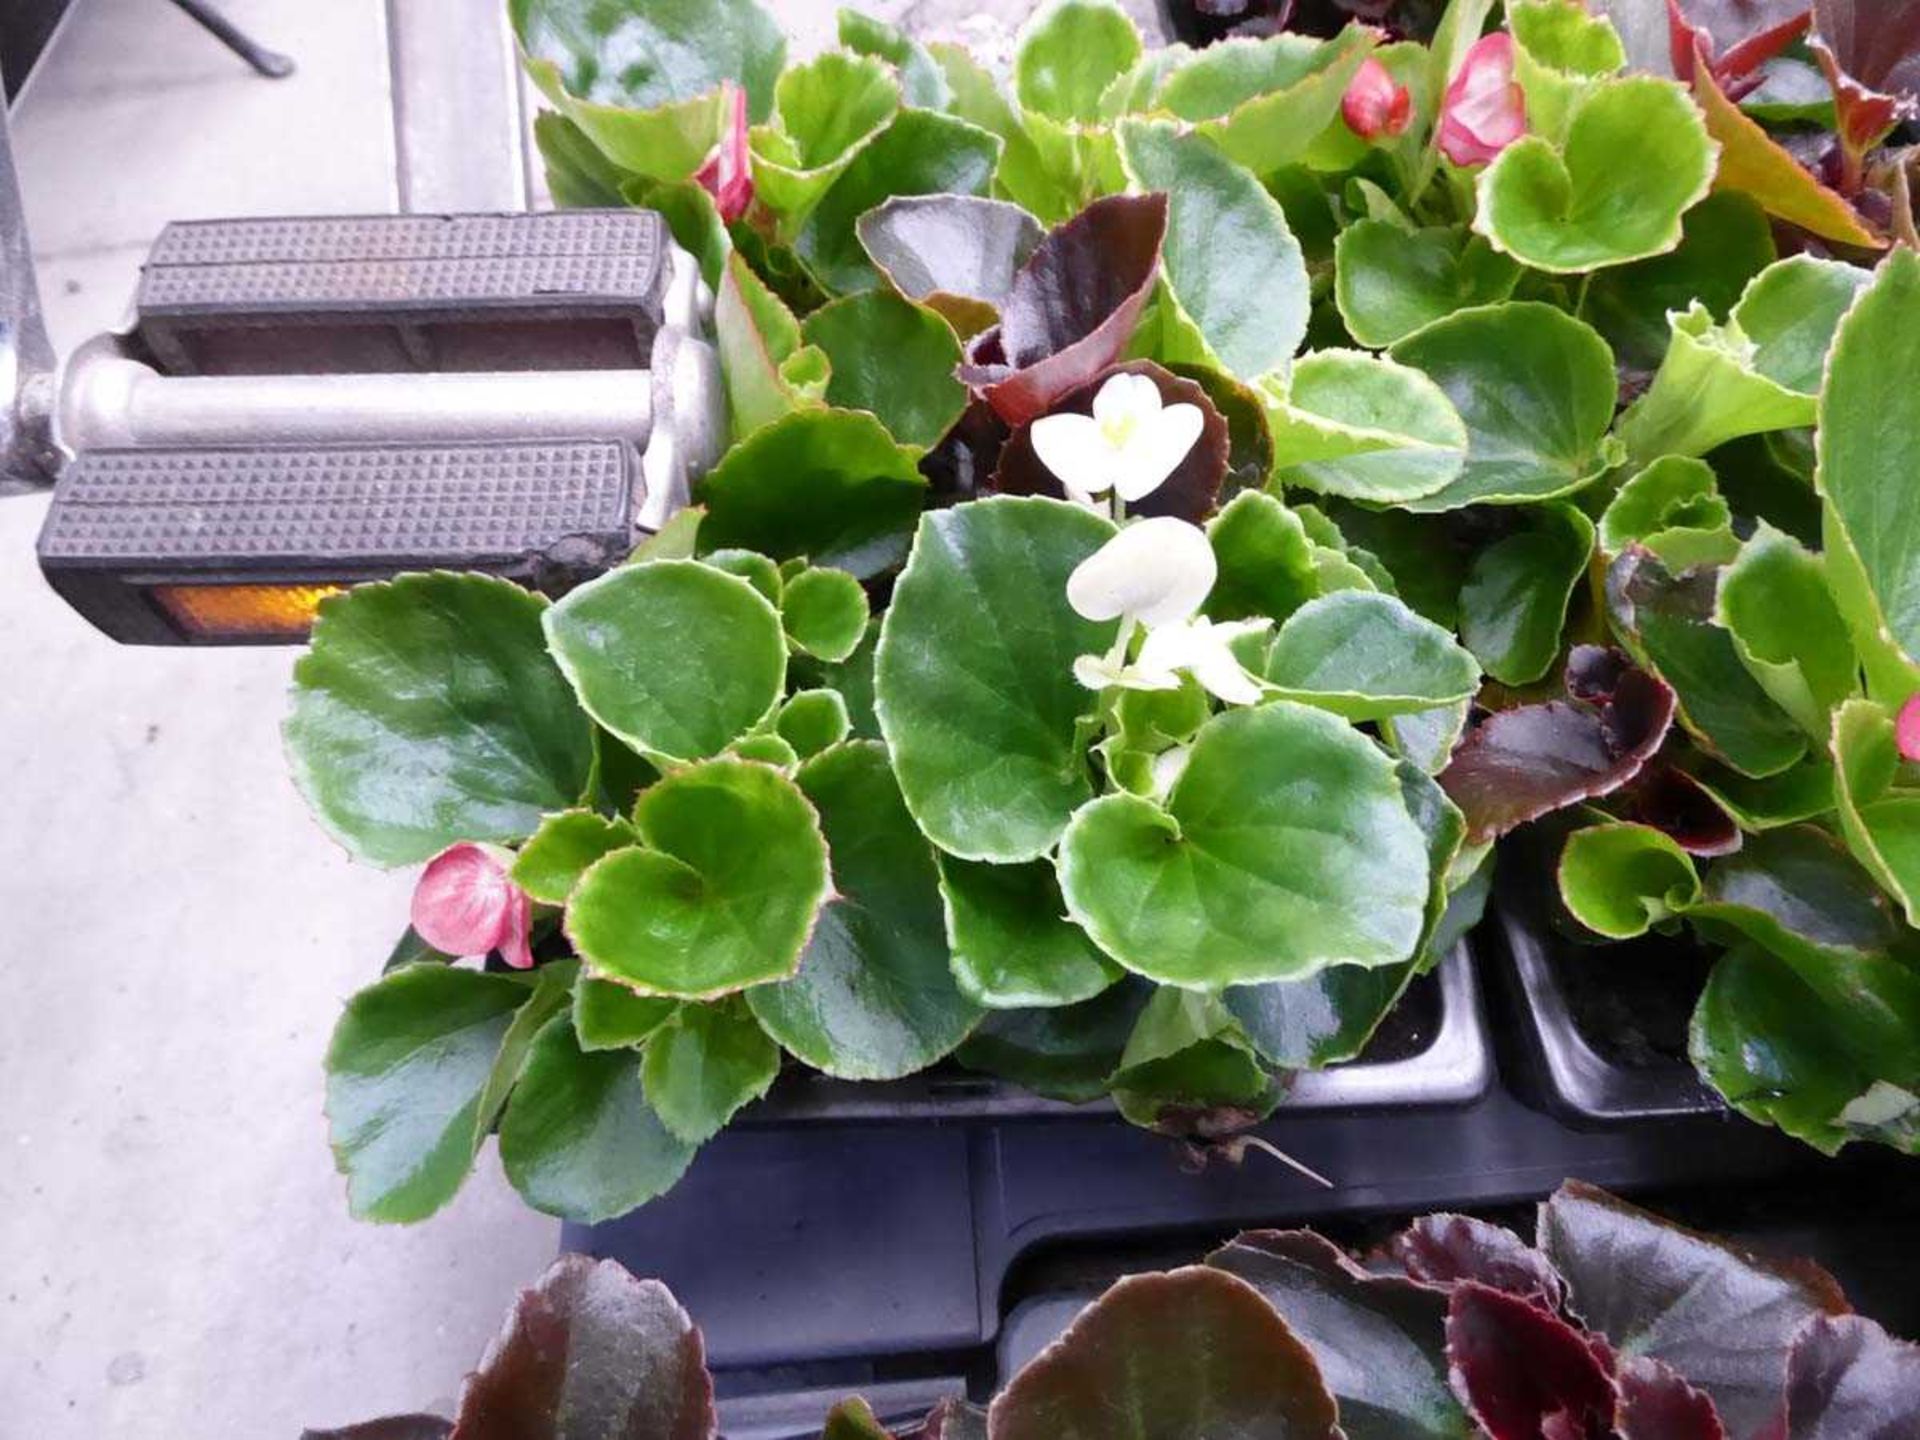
[{"x": 244, "y": 612}]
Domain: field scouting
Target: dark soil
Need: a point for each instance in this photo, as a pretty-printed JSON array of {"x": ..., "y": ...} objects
[{"x": 1632, "y": 1002}]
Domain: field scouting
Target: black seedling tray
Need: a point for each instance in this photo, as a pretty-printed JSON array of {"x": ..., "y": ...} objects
[
  {"x": 896, "y": 1260},
  {"x": 1431, "y": 1051},
  {"x": 1598, "y": 1033}
]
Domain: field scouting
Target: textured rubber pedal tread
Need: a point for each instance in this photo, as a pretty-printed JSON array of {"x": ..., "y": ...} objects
[
  {"x": 542, "y": 512},
  {"x": 566, "y": 289}
]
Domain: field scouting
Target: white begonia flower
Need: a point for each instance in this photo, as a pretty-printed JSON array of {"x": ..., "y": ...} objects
[
  {"x": 1155, "y": 571},
  {"x": 1204, "y": 649},
  {"x": 1130, "y": 444}
]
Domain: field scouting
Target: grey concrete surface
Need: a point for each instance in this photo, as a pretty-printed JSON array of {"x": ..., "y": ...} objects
[
  {"x": 175, "y": 1254},
  {"x": 176, "y": 1258}
]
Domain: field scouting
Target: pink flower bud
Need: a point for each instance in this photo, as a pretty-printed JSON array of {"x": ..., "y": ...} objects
[
  {"x": 1906, "y": 730},
  {"x": 727, "y": 174},
  {"x": 1374, "y": 105},
  {"x": 465, "y": 904},
  {"x": 1485, "y": 110}
]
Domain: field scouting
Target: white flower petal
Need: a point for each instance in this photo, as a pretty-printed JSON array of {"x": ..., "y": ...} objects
[
  {"x": 1095, "y": 672},
  {"x": 1155, "y": 451},
  {"x": 1126, "y": 398},
  {"x": 1222, "y": 675},
  {"x": 1168, "y": 766},
  {"x": 1075, "y": 449},
  {"x": 1204, "y": 651},
  {"x": 1156, "y": 571}
]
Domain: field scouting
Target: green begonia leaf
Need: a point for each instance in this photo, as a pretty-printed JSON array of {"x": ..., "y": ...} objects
[
  {"x": 1236, "y": 284},
  {"x": 664, "y": 142},
  {"x": 1284, "y": 847},
  {"x": 1788, "y": 631},
  {"x": 1673, "y": 508},
  {"x": 825, "y": 613},
  {"x": 1726, "y": 241},
  {"x": 769, "y": 371},
  {"x": 831, "y": 485},
  {"x": 406, "y": 1069},
  {"x": 674, "y": 657},
  {"x": 1576, "y": 208},
  {"x": 1559, "y": 50},
  {"x": 1536, "y": 390},
  {"x": 1797, "y": 892},
  {"x": 921, "y": 80},
  {"x": 1380, "y": 1339},
  {"x": 1321, "y": 1020},
  {"x": 1619, "y": 880},
  {"x": 723, "y": 895},
  {"x": 854, "y": 1420},
  {"x": 1362, "y": 426},
  {"x": 1426, "y": 737},
  {"x": 812, "y": 720},
  {"x": 1012, "y": 943},
  {"x": 875, "y": 998},
  {"x": 1789, "y": 1053},
  {"x": 1667, "y": 621},
  {"x": 1063, "y": 1052},
  {"x": 704, "y": 1064},
  {"x": 974, "y": 675},
  {"x": 1879, "y": 817},
  {"x": 693, "y": 217},
  {"x": 609, "y": 1016},
  {"x": 579, "y": 1139},
  {"x": 666, "y": 49},
  {"x": 1514, "y": 602},
  {"x": 1758, "y": 372},
  {"x": 1265, "y": 102},
  {"x": 853, "y": 681},
  {"x": 1189, "y": 1070},
  {"x": 1801, "y": 792},
  {"x": 1021, "y": 175},
  {"x": 427, "y": 712},
  {"x": 1069, "y": 53},
  {"x": 1265, "y": 560},
  {"x": 1367, "y": 656},
  {"x": 824, "y": 113},
  {"x": 1868, "y": 410},
  {"x": 756, "y": 569},
  {"x": 1425, "y": 565},
  {"x": 1225, "y": 1365},
  {"x": 550, "y": 864},
  {"x": 578, "y": 173},
  {"x": 1329, "y": 1017},
  {"x": 894, "y": 358},
  {"x": 552, "y": 994},
  {"x": 1389, "y": 282},
  {"x": 768, "y": 748},
  {"x": 923, "y": 152}
]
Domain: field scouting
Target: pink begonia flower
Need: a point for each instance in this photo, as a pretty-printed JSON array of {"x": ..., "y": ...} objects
[
  {"x": 1374, "y": 104},
  {"x": 727, "y": 174},
  {"x": 1485, "y": 110},
  {"x": 1906, "y": 730},
  {"x": 465, "y": 904}
]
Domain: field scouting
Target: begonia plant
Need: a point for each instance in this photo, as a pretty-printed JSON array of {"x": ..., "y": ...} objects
[
  {"x": 1182, "y": 508},
  {"x": 1613, "y": 1325}
]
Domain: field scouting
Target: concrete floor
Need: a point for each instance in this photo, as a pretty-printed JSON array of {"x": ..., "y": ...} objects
[{"x": 175, "y": 1254}]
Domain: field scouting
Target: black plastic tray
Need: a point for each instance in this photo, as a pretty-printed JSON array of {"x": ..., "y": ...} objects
[
  {"x": 1561, "y": 1063},
  {"x": 1452, "y": 1065}
]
